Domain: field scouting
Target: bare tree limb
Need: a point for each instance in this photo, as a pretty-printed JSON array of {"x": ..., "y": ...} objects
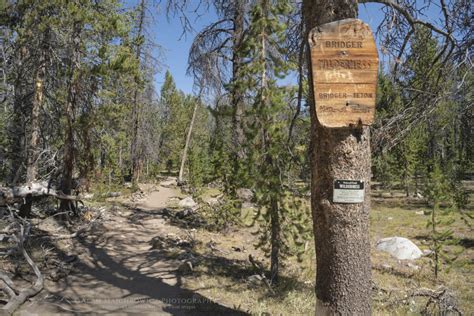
[{"x": 16, "y": 300}]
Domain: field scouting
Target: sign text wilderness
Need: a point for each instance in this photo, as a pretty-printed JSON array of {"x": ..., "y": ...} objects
[{"x": 344, "y": 62}]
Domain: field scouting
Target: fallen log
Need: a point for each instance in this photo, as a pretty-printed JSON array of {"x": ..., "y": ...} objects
[{"x": 18, "y": 194}]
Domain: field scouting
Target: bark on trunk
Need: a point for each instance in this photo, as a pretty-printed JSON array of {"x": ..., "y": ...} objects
[
  {"x": 275, "y": 240},
  {"x": 236, "y": 93},
  {"x": 188, "y": 141},
  {"x": 31, "y": 165},
  {"x": 33, "y": 150},
  {"x": 69, "y": 148},
  {"x": 341, "y": 230},
  {"x": 17, "y": 126},
  {"x": 135, "y": 155}
]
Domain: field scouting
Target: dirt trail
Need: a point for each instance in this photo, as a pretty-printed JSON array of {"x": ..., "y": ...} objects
[{"x": 117, "y": 270}]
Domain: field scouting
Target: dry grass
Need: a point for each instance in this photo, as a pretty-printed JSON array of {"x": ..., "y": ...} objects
[{"x": 394, "y": 280}]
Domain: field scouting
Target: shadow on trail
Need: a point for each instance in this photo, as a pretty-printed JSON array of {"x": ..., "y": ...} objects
[
  {"x": 179, "y": 301},
  {"x": 208, "y": 259},
  {"x": 143, "y": 289}
]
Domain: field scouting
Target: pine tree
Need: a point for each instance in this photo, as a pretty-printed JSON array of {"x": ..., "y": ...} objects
[{"x": 267, "y": 119}]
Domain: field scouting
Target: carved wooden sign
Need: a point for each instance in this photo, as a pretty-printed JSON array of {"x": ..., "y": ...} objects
[{"x": 344, "y": 62}]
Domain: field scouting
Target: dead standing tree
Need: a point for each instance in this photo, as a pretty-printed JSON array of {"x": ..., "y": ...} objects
[
  {"x": 342, "y": 230},
  {"x": 209, "y": 62}
]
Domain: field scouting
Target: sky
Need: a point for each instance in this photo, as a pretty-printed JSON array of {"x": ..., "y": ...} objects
[{"x": 175, "y": 47}]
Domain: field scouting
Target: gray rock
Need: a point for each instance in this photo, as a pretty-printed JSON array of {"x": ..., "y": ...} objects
[
  {"x": 245, "y": 195},
  {"x": 113, "y": 194},
  {"x": 400, "y": 248},
  {"x": 248, "y": 205},
  {"x": 427, "y": 252},
  {"x": 187, "y": 202},
  {"x": 212, "y": 201},
  {"x": 255, "y": 279}
]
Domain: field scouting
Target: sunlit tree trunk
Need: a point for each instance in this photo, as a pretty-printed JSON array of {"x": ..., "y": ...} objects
[
  {"x": 33, "y": 150},
  {"x": 188, "y": 141},
  {"x": 343, "y": 282}
]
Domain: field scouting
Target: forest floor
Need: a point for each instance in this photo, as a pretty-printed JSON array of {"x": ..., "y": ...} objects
[
  {"x": 145, "y": 256},
  {"x": 124, "y": 266}
]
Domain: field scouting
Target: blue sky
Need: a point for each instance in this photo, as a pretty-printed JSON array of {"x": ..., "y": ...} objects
[{"x": 167, "y": 33}]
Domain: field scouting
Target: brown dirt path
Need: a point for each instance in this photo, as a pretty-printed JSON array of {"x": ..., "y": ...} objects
[{"x": 118, "y": 272}]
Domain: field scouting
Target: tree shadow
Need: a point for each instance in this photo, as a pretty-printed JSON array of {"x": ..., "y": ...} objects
[
  {"x": 210, "y": 262},
  {"x": 156, "y": 291}
]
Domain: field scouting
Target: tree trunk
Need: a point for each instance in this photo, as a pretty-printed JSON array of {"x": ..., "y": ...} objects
[
  {"x": 69, "y": 148},
  {"x": 343, "y": 282},
  {"x": 188, "y": 141},
  {"x": 33, "y": 150},
  {"x": 17, "y": 125},
  {"x": 236, "y": 93},
  {"x": 135, "y": 155},
  {"x": 274, "y": 209},
  {"x": 31, "y": 165},
  {"x": 275, "y": 239}
]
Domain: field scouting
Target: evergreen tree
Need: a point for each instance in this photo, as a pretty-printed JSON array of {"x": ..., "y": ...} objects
[{"x": 267, "y": 119}]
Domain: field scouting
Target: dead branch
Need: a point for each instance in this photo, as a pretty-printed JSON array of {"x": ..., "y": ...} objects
[
  {"x": 441, "y": 298},
  {"x": 79, "y": 232},
  {"x": 19, "y": 296},
  {"x": 259, "y": 267}
]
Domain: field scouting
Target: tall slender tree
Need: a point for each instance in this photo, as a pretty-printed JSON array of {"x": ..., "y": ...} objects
[
  {"x": 263, "y": 50},
  {"x": 135, "y": 155}
]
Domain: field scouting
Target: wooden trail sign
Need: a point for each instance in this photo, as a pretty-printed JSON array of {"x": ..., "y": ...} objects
[{"x": 344, "y": 62}]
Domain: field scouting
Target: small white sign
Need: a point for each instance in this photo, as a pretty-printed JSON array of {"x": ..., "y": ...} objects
[{"x": 348, "y": 191}]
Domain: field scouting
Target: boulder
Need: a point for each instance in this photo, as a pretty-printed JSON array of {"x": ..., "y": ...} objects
[
  {"x": 245, "y": 195},
  {"x": 400, "y": 248},
  {"x": 187, "y": 202}
]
